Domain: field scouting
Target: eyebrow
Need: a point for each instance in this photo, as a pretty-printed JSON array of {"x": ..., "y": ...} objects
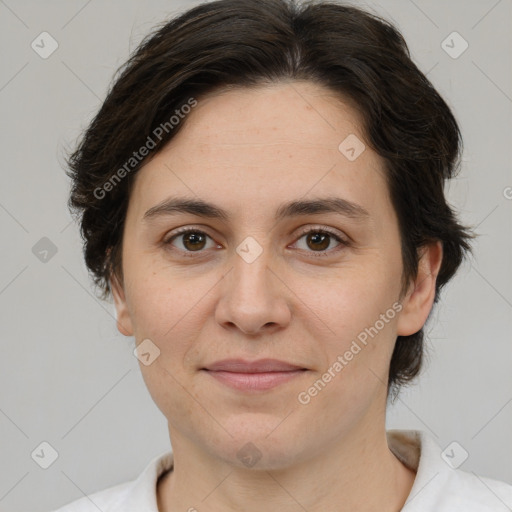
[{"x": 200, "y": 208}]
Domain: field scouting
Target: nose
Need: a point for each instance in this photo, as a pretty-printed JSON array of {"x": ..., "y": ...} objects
[{"x": 254, "y": 299}]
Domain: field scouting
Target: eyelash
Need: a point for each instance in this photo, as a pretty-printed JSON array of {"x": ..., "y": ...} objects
[{"x": 320, "y": 254}]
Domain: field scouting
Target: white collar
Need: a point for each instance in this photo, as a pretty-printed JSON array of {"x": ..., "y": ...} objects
[{"x": 437, "y": 487}]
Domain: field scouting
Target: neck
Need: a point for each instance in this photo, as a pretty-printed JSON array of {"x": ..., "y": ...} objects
[{"x": 358, "y": 472}]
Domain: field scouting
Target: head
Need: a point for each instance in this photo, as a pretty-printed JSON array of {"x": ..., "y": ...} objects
[{"x": 270, "y": 112}]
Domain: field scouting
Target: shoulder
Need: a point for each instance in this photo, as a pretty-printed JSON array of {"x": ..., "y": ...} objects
[
  {"x": 138, "y": 494},
  {"x": 440, "y": 484},
  {"x": 476, "y": 492},
  {"x": 104, "y": 500}
]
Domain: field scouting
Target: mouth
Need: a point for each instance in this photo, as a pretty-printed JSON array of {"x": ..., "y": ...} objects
[{"x": 259, "y": 375}]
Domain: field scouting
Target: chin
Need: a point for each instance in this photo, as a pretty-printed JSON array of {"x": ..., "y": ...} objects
[{"x": 260, "y": 447}]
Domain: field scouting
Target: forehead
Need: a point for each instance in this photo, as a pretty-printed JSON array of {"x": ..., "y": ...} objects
[
  {"x": 271, "y": 143},
  {"x": 302, "y": 114}
]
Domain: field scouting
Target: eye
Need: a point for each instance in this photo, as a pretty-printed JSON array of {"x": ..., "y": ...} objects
[
  {"x": 319, "y": 240},
  {"x": 192, "y": 240}
]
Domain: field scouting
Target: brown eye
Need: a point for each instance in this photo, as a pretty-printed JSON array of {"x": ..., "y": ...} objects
[
  {"x": 192, "y": 240},
  {"x": 318, "y": 241}
]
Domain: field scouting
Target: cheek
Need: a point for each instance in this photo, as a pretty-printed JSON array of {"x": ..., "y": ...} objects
[
  {"x": 168, "y": 315},
  {"x": 355, "y": 325},
  {"x": 172, "y": 311},
  {"x": 351, "y": 301},
  {"x": 159, "y": 300},
  {"x": 172, "y": 394}
]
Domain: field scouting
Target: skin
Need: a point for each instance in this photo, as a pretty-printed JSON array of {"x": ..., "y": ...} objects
[{"x": 248, "y": 151}]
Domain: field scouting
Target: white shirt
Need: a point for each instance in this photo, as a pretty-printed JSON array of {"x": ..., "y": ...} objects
[{"x": 438, "y": 487}]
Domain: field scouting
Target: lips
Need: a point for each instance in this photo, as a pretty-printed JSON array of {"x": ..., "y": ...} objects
[
  {"x": 253, "y": 376},
  {"x": 259, "y": 366}
]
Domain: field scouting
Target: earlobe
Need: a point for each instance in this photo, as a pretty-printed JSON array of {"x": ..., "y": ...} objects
[
  {"x": 418, "y": 302},
  {"x": 124, "y": 323}
]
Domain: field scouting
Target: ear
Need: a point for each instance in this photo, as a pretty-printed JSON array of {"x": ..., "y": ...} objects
[
  {"x": 124, "y": 322},
  {"x": 418, "y": 302}
]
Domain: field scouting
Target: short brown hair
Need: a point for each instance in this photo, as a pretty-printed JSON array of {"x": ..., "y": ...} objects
[{"x": 246, "y": 43}]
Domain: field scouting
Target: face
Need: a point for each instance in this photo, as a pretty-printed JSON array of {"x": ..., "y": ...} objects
[{"x": 263, "y": 279}]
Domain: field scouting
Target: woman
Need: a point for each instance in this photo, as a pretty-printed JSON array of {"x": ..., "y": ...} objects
[{"x": 262, "y": 194}]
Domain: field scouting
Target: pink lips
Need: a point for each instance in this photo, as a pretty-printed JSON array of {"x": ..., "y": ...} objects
[{"x": 257, "y": 375}]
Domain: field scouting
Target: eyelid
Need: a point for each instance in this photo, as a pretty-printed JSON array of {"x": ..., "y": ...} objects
[
  {"x": 331, "y": 231},
  {"x": 168, "y": 238},
  {"x": 185, "y": 229},
  {"x": 341, "y": 238}
]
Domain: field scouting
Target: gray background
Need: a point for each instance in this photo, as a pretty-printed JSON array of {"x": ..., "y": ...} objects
[{"x": 67, "y": 376}]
